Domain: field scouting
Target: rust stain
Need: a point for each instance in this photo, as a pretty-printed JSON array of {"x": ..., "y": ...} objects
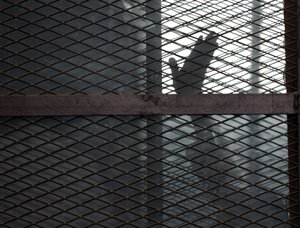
[{"x": 151, "y": 98}]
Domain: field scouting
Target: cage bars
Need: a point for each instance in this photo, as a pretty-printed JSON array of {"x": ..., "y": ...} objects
[
  {"x": 155, "y": 103},
  {"x": 149, "y": 104},
  {"x": 154, "y": 130}
]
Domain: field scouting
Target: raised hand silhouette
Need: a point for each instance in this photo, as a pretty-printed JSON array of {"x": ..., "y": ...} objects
[{"x": 189, "y": 79}]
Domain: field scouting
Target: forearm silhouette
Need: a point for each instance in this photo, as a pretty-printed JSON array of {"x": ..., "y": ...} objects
[{"x": 189, "y": 79}]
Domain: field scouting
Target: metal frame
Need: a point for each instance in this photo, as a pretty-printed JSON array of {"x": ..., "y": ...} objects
[
  {"x": 154, "y": 82},
  {"x": 149, "y": 104},
  {"x": 298, "y": 88},
  {"x": 155, "y": 104}
]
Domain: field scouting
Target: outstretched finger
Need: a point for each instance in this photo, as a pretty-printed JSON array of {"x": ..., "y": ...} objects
[{"x": 212, "y": 37}]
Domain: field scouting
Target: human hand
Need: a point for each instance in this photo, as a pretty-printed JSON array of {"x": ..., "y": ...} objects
[{"x": 189, "y": 79}]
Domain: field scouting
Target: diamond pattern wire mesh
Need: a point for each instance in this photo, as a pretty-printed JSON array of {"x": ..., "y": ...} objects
[
  {"x": 74, "y": 171},
  {"x": 229, "y": 171},
  {"x": 290, "y": 40},
  {"x": 250, "y": 56},
  {"x": 69, "y": 47},
  {"x": 154, "y": 171}
]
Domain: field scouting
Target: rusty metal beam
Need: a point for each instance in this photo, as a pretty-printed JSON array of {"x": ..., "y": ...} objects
[{"x": 148, "y": 104}]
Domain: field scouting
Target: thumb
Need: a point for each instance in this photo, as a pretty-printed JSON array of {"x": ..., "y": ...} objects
[{"x": 174, "y": 67}]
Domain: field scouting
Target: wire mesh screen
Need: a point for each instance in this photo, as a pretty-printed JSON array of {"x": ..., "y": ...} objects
[
  {"x": 226, "y": 171},
  {"x": 69, "y": 47},
  {"x": 148, "y": 171},
  {"x": 247, "y": 39}
]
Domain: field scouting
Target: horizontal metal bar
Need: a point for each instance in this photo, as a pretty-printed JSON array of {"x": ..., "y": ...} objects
[{"x": 29, "y": 105}]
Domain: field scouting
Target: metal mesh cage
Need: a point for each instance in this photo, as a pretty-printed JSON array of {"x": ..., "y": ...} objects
[
  {"x": 85, "y": 170},
  {"x": 66, "y": 47},
  {"x": 150, "y": 166},
  {"x": 69, "y": 47}
]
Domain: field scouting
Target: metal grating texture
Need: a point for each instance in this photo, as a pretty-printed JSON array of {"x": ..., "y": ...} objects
[
  {"x": 71, "y": 47},
  {"x": 213, "y": 171},
  {"x": 249, "y": 55},
  {"x": 148, "y": 170}
]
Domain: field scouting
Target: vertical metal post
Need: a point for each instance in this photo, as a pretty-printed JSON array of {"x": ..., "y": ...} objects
[
  {"x": 292, "y": 79},
  {"x": 154, "y": 126},
  {"x": 254, "y": 154},
  {"x": 298, "y": 87},
  {"x": 256, "y": 40}
]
